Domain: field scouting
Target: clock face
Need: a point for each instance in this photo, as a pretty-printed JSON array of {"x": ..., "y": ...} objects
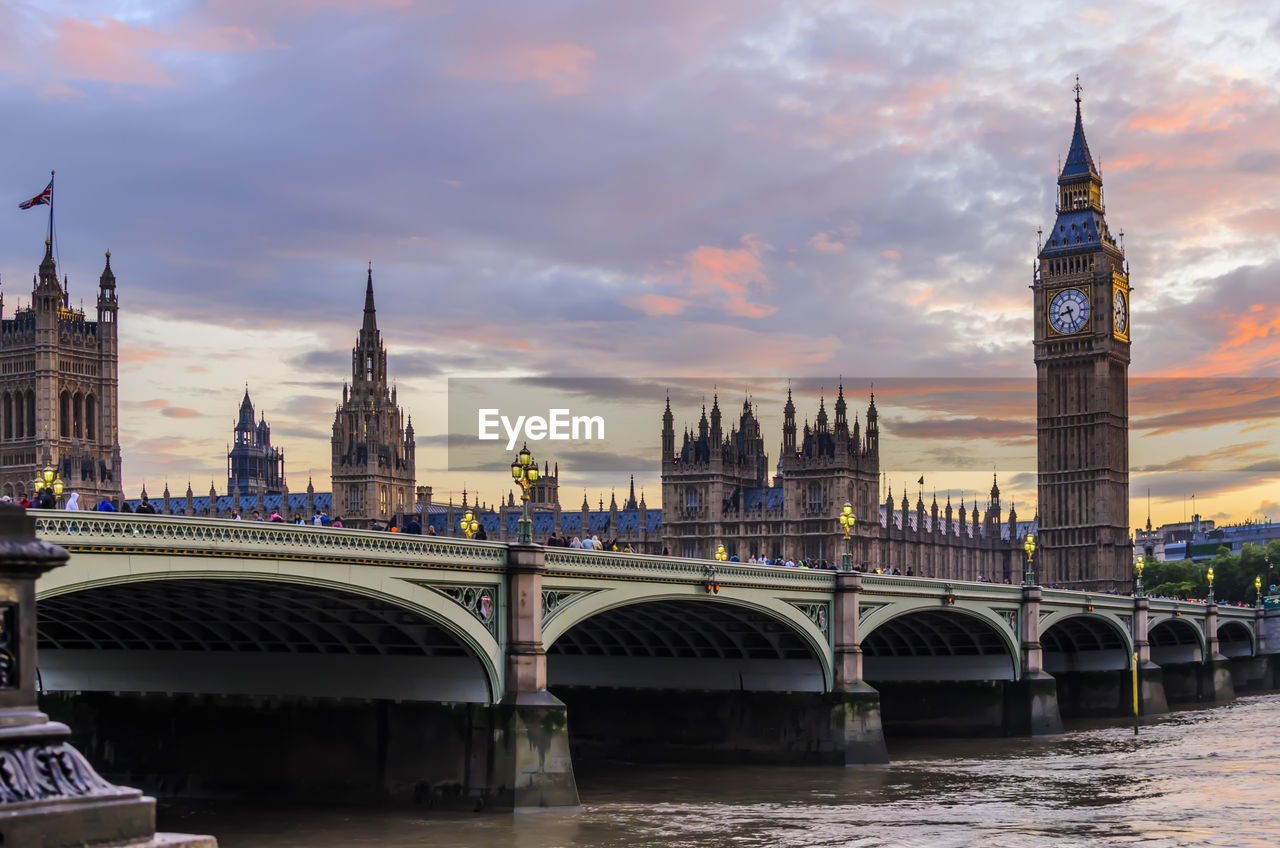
[
  {"x": 1121, "y": 312},
  {"x": 1069, "y": 311}
]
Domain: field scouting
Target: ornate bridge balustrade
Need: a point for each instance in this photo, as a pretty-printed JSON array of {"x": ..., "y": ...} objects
[{"x": 820, "y": 660}]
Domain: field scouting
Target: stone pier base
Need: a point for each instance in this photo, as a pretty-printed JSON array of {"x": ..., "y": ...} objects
[
  {"x": 533, "y": 767},
  {"x": 651, "y": 725},
  {"x": 1151, "y": 694},
  {"x": 1252, "y": 674},
  {"x": 1216, "y": 686},
  {"x": 1199, "y": 683},
  {"x": 1031, "y": 706},
  {"x": 856, "y": 726}
]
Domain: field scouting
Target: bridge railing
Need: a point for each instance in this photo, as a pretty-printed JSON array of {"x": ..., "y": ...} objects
[
  {"x": 127, "y": 532},
  {"x": 609, "y": 563}
]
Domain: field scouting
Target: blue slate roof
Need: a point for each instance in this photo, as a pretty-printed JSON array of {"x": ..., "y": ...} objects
[
  {"x": 1079, "y": 161},
  {"x": 297, "y": 503},
  {"x": 1074, "y": 229},
  {"x": 771, "y": 497}
]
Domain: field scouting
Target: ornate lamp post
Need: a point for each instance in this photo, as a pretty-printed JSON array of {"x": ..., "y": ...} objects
[
  {"x": 49, "y": 479},
  {"x": 1210, "y": 576},
  {"x": 469, "y": 525},
  {"x": 847, "y": 519},
  {"x": 1137, "y": 581},
  {"x": 1029, "y": 576},
  {"x": 721, "y": 554},
  {"x": 1257, "y": 591},
  {"x": 524, "y": 470}
]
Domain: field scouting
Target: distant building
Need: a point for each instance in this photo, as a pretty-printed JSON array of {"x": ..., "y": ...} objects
[
  {"x": 59, "y": 389},
  {"x": 373, "y": 447},
  {"x": 253, "y": 465},
  {"x": 1200, "y": 539}
]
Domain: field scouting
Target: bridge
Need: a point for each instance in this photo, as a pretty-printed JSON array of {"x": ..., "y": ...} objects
[{"x": 483, "y": 659}]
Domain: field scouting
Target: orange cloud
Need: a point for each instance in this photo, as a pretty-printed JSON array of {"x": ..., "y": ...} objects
[
  {"x": 1209, "y": 112},
  {"x": 826, "y": 243},
  {"x": 561, "y": 69},
  {"x": 137, "y": 355},
  {"x": 734, "y": 272},
  {"x": 110, "y": 50},
  {"x": 655, "y": 305}
]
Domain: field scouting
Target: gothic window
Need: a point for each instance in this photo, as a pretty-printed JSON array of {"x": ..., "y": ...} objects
[
  {"x": 77, "y": 415},
  {"x": 691, "y": 498},
  {"x": 31, "y": 413},
  {"x": 64, "y": 414},
  {"x": 353, "y": 499},
  {"x": 90, "y": 418},
  {"x": 368, "y": 367},
  {"x": 815, "y": 496},
  {"x": 7, "y": 407},
  {"x": 19, "y": 416},
  {"x": 384, "y": 500}
]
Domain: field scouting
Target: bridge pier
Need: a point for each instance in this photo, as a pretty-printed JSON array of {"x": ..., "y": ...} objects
[
  {"x": 855, "y": 720},
  {"x": 531, "y": 729},
  {"x": 1215, "y": 683},
  {"x": 1031, "y": 702},
  {"x": 1151, "y": 694}
]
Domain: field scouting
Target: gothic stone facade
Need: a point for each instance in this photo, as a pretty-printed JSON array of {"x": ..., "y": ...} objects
[
  {"x": 373, "y": 448},
  {"x": 716, "y": 490},
  {"x": 254, "y": 466},
  {"x": 59, "y": 389}
]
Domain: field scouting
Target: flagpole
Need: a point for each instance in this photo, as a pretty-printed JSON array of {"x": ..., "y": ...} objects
[{"x": 51, "y": 173}]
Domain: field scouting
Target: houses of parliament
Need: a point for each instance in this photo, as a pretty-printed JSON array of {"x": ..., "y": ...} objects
[{"x": 58, "y": 402}]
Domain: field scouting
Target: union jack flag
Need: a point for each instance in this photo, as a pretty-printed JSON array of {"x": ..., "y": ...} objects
[{"x": 45, "y": 197}]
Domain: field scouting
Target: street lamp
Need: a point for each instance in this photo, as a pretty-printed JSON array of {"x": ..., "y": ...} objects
[
  {"x": 48, "y": 479},
  {"x": 1029, "y": 576},
  {"x": 469, "y": 525},
  {"x": 1257, "y": 591},
  {"x": 847, "y": 520},
  {"x": 524, "y": 470},
  {"x": 1137, "y": 583},
  {"x": 721, "y": 553},
  {"x": 1210, "y": 576}
]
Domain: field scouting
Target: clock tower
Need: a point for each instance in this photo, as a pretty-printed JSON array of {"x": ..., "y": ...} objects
[{"x": 1081, "y": 304}]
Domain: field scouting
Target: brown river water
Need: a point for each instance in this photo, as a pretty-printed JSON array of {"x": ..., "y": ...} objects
[{"x": 1206, "y": 777}]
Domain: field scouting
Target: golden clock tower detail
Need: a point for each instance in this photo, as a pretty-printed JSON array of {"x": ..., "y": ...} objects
[{"x": 1081, "y": 296}]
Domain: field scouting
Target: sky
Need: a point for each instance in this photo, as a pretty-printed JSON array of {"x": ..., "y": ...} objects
[{"x": 726, "y": 194}]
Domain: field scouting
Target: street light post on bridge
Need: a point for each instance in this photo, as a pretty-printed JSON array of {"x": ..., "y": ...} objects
[
  {"x": 524, "y": 470},
  {"x": 847, "y": 519},
  {"x": 1029, "y": 575}
]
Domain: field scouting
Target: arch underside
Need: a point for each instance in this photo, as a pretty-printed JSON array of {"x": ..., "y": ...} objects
[
  {"x": 1084, "y": 643},
  {"x": 936, "y": 645},
  {"x": 1235, "y": 640},
  {"x": 1175, "y": 640},
  {"x": 684, "y": 644},
  {"x": 249, "y": 637}
]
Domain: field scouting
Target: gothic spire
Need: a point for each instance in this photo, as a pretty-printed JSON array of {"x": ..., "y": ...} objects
[
  {"x": 1079, "y": 161},
  {"x": 370, "y": 314}
]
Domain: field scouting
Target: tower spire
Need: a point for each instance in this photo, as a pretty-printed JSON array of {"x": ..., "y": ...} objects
[{"x": 370, "y": 314}]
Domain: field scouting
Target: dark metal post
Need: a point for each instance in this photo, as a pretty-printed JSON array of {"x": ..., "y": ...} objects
[{"x": 49, "y": 794}]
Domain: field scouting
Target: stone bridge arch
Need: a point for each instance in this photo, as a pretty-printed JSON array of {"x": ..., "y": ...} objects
[
  {"x": 977, "y": 630},
  {"x": 1236, "y": 638},
  {"x": 365, "y": 605},
  {"x": 690, "y": 638},
  {"x": 1095, "y": 641},
  {"x": 1176, "y": 639}
]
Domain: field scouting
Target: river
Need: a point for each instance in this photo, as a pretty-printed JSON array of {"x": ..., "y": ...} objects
[{"x": 1207, "y": 777}]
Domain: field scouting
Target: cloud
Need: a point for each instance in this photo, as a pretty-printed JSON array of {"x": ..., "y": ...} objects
[
  {"x": 179, "y": 412},
  {"x": 561, "y": 69}
]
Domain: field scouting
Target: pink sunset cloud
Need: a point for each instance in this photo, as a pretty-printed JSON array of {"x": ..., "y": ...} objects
[{"x": 561, "y": 69}]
